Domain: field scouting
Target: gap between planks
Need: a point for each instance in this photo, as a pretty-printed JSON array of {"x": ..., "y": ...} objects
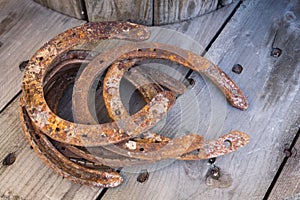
[
  {"x": 50, "y": 185},
  {"x": 272, "y": 87},
  {"x": 205, "y": 38},
  {"x": 24, "y": 27}
]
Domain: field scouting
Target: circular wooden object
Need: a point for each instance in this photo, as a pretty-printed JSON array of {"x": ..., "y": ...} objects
[{"x": 147, "y": 12}]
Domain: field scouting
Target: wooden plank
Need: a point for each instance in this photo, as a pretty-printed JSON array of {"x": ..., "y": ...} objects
[
  {"x": 24, "y": 27},
  {"x": 288, "y": 184},
  {"x": 192, "y": 28},
  {"x": 120, "y": 10},
  {"x": 148, "y": 12},
  {"x": 272, "y": 87},
  {"x": 170, "y": 11},
  {"x": 29, "y": 177},
  {"x": 203, "y": 29},
  {"x": 73, "y": 8}
]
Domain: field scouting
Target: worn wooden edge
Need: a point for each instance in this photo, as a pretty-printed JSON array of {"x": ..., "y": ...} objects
[
  {"x": 149, "y": 12},
  {"x": 72, "y": 8},
  {"x": 22, "y": 32},
  {"x": 287, "y": 186},
  {"x": 166, "y": 12},
  {"x": 119, "y": 10}
]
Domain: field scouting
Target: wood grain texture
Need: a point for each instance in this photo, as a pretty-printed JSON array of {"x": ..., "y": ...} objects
[
  {"x": 148, "y": 12},
  {"x": 286, "y": 37},
  {"x": 170, "y": 11},
  {"x": 73, "y": 8},
  {"x": 29, "y": 177},
  {"x": 203, "y": 29},
  {"x": 272, "y": 87},
  {"x": 120, "y": 10},
  {"x": 288, "y": 184},
  {"x": 24, "y": 27}
]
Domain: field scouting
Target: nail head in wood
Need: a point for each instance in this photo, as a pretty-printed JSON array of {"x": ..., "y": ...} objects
[
  {"x": 237, "y": 68},
  {"x": 9, "y": 159},
  {"x": 143, "y": 176},
  {"x": 276, "y": 52}
]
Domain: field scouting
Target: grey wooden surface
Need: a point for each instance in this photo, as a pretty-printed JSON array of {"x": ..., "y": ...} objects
[
  {"x": 272, "y": 88},
  {"x": 29, "y": 177},
  {"x": 288, "y": 183},
  {"x": 73, "y": 8},
  {"x": 148, "y": 12},
  {"x": 271, "y": 85},
  {"x": 170, "y": 11},
  {"x": 24, "y": 27},
  {"x": 119, "y": 10}
]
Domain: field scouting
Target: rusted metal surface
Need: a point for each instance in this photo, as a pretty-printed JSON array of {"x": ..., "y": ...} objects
[
  {"x": 173, "y": 148},
  {"x": 85, "y": 151}
]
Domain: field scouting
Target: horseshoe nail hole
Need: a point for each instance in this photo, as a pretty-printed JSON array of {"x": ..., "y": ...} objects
[
  {"x": 101, "y": 61},
  {"x": 191, "y": 81},
  {"x": 41, "y": 58},
  {"x": 211, "y": 160},
  {"x": 276, "y": 52},
  {"x": 117, "y": 112},
  {"x": 57, "y": 129},
  {"x": 84, "y": 135},
  {"x": 227, "y": 143},
  {"x": 63, "y": 148},
  {"x": 23, "y": 65},
  {"x": 142, "y": 149},
  {"x": 139, "y": 49},
  {"x": 154, "y": 49},
  {"x": 237, "y": 68}
]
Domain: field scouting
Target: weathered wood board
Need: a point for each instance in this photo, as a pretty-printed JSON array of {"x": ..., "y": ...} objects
[
  {"x": 120, "y": 10},
  {"x": 29, "y": 177},
  {"x": 272, "y": 120},
  {"x": 200, "y": 28},
  {"x": 149, "y": 12},
  {"x": 272, "y": 87},
  {"x": 288, "y": 184},
  {"x": 73, "y": 8},
  {"x": 170, "y": 11},
  {"x": 40, "y": 182},
  {"x": 24, "y": 27}
]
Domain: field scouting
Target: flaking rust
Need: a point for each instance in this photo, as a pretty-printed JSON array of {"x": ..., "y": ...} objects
[
  {"x": 173, "y": 148},
  {"x": 85, "y": 151}
]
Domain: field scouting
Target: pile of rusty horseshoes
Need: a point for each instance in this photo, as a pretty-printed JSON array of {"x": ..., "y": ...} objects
[{"x": 126, "y": 140}]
